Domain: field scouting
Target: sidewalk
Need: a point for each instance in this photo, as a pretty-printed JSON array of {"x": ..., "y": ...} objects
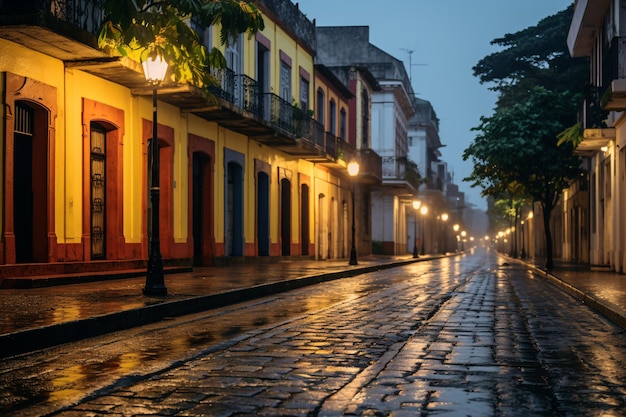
[
  {"x": 604, "y": 291},
  {"x": 42, "y": 317},
  {"x": 36, "y": 318}
]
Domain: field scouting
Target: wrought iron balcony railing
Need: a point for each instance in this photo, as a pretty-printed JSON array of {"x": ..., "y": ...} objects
[
  {"x": 371, "y": 165},
  {"x": 279, "y": 112},
  {"x": 591, "y": 113},
  {"x": 83, "y": 14},
  {"x": 244, "y": 92}
]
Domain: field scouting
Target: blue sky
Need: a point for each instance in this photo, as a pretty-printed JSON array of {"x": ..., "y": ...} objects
[{"x": 447, "y": 37}]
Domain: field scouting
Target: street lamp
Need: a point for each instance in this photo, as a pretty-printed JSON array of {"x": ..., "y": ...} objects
[
  {"x": 154, "y": 69},
  {"x": 523, "y": 254},
  {"x": 423, "y": 210},
  {"x": 416, "y": 206},
  {"x": 456, "y": 228},
  {"x": 463, "y": 234},
  {"x": 353, "y": 170},
  {"x": 444, "y": 219}
]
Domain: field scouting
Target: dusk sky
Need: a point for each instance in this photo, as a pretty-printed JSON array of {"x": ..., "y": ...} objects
[{"x": 447, "y": 38}]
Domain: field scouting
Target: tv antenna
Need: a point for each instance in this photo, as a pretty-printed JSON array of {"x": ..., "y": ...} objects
[{"x": 411, "y": 64}]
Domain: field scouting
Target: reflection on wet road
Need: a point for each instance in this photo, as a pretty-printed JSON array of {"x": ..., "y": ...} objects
[
  {"x": 65, "y": 374},
  {"x": 462, "y": 336}
]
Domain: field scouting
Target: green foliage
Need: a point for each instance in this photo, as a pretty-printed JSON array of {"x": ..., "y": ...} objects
[
  {"x": 573, "y": 135},
  {"x": 140, "y": 28},
  {"x": 412, "y": 174},
  {"x": 530, "y": 138},
  {"x": 519, "y": 145},
  {"x": 534, "y": 57},
  {"x": 508, "y": 206}
]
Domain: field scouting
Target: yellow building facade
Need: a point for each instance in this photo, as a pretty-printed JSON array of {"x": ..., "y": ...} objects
[{"x": 249, "y": 174}]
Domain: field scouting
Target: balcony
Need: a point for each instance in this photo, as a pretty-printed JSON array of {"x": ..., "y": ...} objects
[
  {"x": 67, "y": 30},
  {"x": 59, "y": 28},
  {"x": 371, "y": 169},
  {"x": 587, "y": 20},
  {"x": 594, "y": 140}
]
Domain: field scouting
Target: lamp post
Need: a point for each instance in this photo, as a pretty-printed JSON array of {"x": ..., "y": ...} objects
[
  {"x": 523, "y": 254},
  {"x": 531, "y": 234},
  {"x": 423, "y": 210},
  {"x": 353, "y": 170},
  {"x": 463, "y": 234},
  {"x": 154, "y": 69},
  {"x": 456, "y": 228},
  {"x": 444, "y": 219},
  {"x": 416, "y": 206}
]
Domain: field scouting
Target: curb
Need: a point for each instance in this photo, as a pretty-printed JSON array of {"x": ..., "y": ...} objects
[
  {"x": 31, "y": 340},
  {"x": 600, "y": 306}
]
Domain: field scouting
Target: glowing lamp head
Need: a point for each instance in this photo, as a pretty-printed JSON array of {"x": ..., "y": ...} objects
[
  {"x": 353, "y": 168},
  {"x": 154, "y": 69}
]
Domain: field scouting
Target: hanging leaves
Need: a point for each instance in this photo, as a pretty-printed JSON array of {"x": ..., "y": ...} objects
[{"x": 171, "y": 28}]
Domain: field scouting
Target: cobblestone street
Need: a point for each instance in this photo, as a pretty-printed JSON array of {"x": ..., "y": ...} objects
[{"x": 455, "y": 337}]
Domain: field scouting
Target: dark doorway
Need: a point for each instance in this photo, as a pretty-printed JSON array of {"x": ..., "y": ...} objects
[
  {"x": 234, "y": 205},
  {"x": 200, "y": 210},
  {"x": 30, "y": 174},
  {"x": 285, "y": 218},
  {"x": 263, "y": 214},
  {"x": 304, "y": 219},
  {"x": 23, "y": 197}
]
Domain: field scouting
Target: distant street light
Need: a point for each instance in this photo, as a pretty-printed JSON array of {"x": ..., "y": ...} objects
[
  {"x": 353, "y": 170},
  {"x": 416, "y": 206},
  {"x": 424, "y": 211},
  {"x": 456, "y": 228},
  {"x": 155, "y": 68}
]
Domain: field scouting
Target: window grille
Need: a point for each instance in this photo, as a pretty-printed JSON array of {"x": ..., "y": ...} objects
[{"x": 23, "y": 120}]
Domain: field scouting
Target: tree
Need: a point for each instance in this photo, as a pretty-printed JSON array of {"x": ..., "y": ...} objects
[
  {"x": 140, "y": 28},
  {"x": 507, "y": 208},
  {"x": 534, "y": 57},
  {"x": 518, "y": 145},
  {"x": 539, "y": 88}
]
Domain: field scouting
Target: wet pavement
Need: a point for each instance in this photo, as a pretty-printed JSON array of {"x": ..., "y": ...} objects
[
  {"x": 471, "y": 335},
  {"x": 36, "y": 318}
]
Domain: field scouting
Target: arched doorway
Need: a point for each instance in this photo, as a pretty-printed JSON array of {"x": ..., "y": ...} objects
[
  {"x": 30, "y": 182},
  {"x": 304, "y": 218},
  {"x": 263, "y": 214},
  {"x": 201, "y": 213},
  {"x": 233, "y": 237},
  {"x": 285, "y": 216}
]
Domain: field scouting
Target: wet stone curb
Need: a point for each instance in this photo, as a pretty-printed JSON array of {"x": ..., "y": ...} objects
[{"x": 31, "y": 340}]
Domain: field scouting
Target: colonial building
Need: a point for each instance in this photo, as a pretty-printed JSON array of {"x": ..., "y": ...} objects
[
  {"x": 252, "y": 174},
  {"x": 598, "y": 31},
  {"x": 391, "y": 111}
]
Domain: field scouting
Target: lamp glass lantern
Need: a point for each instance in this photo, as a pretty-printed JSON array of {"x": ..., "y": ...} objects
[{"x": 154, "y": 69}]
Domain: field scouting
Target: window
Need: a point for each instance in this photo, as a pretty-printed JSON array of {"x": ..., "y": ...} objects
[
  {"x": 333, "y": 117},
  {"x": 285, "y": 81},
  {"x": 342, "y": 124},
  {"x": 234, "y": 53},
  {"x": 304, "y": 94},
  {"x": 320, "y": 106},
  {"x": 365, "y": 119}
]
